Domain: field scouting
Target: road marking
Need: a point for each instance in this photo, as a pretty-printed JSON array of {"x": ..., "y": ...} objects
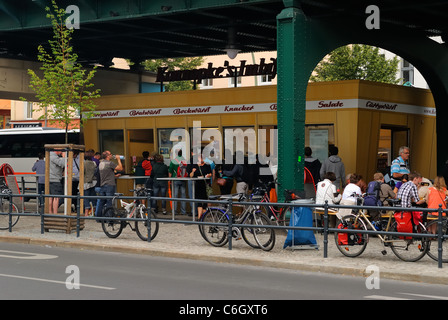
[
  {"x": 54, "y": 281},
  {"x": 25, "y": 255},
  {"x": 376, "y": 297},
  {"x": 426, "y": 296}
]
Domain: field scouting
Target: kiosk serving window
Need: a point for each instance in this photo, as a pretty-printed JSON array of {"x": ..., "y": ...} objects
[
  {"x": 318, "y": 137},
  {"x": 112, "y": 140}
]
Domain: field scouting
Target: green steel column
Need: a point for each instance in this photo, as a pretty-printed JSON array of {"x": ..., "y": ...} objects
[{"x": 293, "y": 75}]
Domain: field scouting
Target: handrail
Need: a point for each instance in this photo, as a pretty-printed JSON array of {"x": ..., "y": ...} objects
[{"x": 230, "y": 202}]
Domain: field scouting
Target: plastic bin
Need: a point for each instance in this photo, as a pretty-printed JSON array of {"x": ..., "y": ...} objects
[{"x": 301, "y": 217}]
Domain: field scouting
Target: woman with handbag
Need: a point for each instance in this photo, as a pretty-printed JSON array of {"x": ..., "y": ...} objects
[
  {"x": 224, "y": 182},
  {"x": 202, "y": 188}
]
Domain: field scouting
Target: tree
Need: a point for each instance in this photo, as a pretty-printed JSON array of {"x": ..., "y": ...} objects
[
  {"x": 357, "y": 62},
  {"x": 174, "y": 64},
  {"x": 65, "y": 90}
]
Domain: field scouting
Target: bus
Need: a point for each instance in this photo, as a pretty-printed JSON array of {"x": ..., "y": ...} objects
[{"x": 20, "y": 147}]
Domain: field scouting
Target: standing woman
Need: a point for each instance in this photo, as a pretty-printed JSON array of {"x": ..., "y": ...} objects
[{"x": 201, "y": 169}]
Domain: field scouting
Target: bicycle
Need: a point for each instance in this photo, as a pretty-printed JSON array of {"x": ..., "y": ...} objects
[
  {"x": 6, "y": 205},
  {"x": 216, "y": 231},
  {"x": 280, "y": 215},
  {"x": 408, "y": 249},
  {"x": 135, "y": 209}
]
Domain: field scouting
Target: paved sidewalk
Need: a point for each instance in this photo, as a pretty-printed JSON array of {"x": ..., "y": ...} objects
[{"x": 184, "y": 241}]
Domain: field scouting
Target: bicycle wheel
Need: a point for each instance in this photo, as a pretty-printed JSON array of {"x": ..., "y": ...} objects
[
  {"x": 215, "y": 235},
  {"x": 265, "y": 237},
  {"x": 4, "y": 218},
  {"x": 141, "y": 226},
  {"x": 409, "y": 250},
  {"x": 112, "y": 228},
  {"x": 351, "y": 244},
  {"x": 433, "y": 245},
  {"x": 247, "y": 233},
  {"x": 284, "y": 216}
]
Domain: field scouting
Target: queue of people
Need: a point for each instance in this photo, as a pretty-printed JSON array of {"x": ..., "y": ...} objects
[
  {"x": 100, "y": 179},
  {"x": 102, "y": 169}
]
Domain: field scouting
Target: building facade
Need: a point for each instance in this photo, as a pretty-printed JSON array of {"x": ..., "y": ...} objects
[{"x": 367, "y": 121}]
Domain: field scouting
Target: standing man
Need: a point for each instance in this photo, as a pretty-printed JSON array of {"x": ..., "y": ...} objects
[
  {"x": 107, "y": 178},
  {"x": 57, "y": 165},
  {"x": 39, "y": 168},
  {"x": 334, "y": 164},
  {"x": 400, "y": 166}
]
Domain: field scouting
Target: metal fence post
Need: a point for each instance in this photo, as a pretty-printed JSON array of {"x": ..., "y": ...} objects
[
  {"x": 10, "y": 213},
  {"x": 439, "y": 237},
  {"x": 326, "y": 229},
  {"x": 78, "y": 220},
  {"x": 230, "y": 232},
  {"x": 42, "y": 212},
  {"x": 148, "y": 215}
]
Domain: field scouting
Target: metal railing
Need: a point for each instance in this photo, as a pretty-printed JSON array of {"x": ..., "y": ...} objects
[{"x": 325, "y": 229}]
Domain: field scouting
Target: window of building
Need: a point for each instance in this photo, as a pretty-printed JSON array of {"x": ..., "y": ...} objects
[
  {"x": 172, "y": 139},
  {"x": 207, "y": 84},
  {"x": 232, "y": 82},
  {"x": 112, "y": 140},
  {"x": 207, "y": 139},
  {"x": 319, "y": 137},
  {"x": 407, "y": 72},
  {"x": 28, "y": 110},
  {"x": 240, "y": 141},
  {"x": 265, "y": 79}
]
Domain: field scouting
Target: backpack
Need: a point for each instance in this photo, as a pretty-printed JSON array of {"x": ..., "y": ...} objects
[
  {"x": 372, "y": 197},
  {"x": 181, "y": 169}
]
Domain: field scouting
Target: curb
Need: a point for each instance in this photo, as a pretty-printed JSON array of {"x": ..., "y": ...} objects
[{"x": 329, "y": 269}]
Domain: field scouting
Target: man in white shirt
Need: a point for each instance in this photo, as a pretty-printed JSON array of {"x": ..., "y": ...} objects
[{"x": 352, "y": 188}]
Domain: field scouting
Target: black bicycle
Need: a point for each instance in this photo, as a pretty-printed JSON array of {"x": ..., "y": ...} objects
[{"x": 134, "y": 209}]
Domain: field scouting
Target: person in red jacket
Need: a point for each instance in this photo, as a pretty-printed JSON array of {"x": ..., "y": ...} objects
[{"x": 147, "y": 166}]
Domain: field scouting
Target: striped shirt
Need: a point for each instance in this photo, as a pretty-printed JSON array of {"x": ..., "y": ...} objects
[
  {"x": 399, "y": 166},
  {"x": 407, "y": 193}
]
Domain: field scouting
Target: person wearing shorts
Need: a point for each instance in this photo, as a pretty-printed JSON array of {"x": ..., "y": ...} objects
[{"x": 57, "y": 164}]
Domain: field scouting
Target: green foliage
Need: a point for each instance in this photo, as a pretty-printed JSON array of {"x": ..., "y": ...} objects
[
  {"x": 357, "y": 62},
  {"x": 65, "y": 88},
  {"x": 174, "y": 64}
]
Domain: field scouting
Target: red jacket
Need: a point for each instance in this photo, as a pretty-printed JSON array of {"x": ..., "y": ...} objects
[{"x": 146, "y": 164}]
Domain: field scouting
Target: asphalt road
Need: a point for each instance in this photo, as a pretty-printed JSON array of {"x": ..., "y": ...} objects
[{"x": 35, "y": 272}]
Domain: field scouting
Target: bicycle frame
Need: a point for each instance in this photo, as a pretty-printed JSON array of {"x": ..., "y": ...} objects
[{"x": 361, "y": 215}]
